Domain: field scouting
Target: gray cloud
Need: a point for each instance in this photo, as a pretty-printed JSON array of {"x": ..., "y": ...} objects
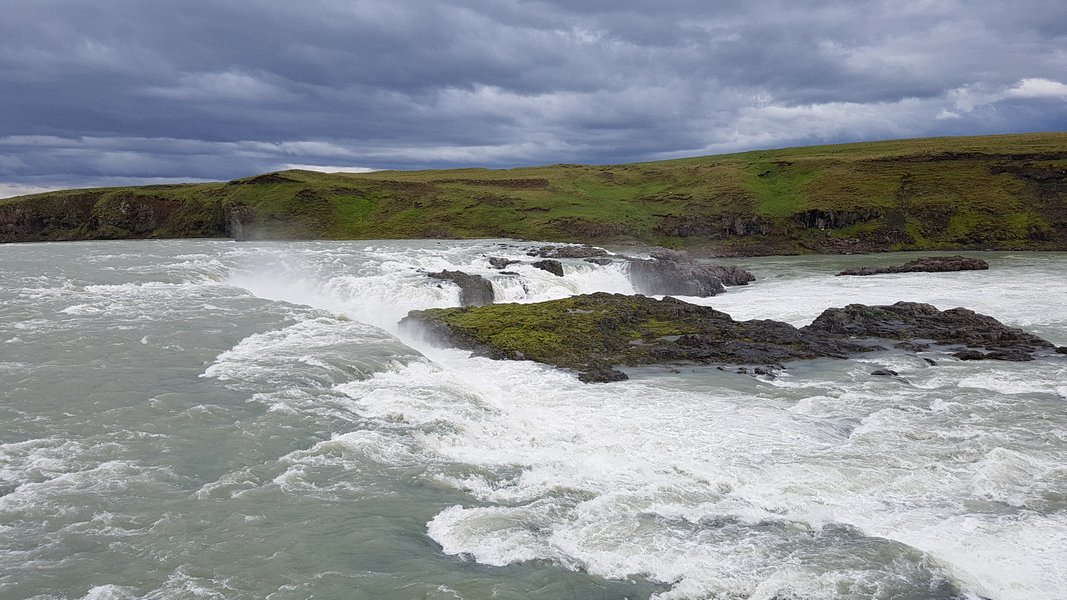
[{"x": 118, "y": 90}]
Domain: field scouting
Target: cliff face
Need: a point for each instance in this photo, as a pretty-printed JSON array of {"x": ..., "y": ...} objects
[
  {"x": 1006, "y": 192},
  {"x": 99, "y": 214}
]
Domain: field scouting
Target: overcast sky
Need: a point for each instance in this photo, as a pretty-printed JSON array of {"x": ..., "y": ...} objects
[{"x": 134, "y": 91}]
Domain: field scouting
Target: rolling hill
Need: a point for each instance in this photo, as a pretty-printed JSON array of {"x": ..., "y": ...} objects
[{"x": 991, "y": 192}]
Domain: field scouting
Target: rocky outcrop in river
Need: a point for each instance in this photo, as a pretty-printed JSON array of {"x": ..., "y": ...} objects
[
  {"x": 475, "y": 290},
  {"x": 569, "y": 251},
  {"x": 595, "y": 333},
  {"x": 932, "y": 264},
  {"x": 960, "y": 327},
  {"x": 671, "y": 272}
]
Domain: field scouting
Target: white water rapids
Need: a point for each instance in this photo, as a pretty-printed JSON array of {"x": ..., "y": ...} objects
[{"x": 191, "y": 419}]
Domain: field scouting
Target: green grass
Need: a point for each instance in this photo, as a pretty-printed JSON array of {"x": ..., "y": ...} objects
[
  {"x": 779, "y": 187},
  {"x": 973, "y": 192}
]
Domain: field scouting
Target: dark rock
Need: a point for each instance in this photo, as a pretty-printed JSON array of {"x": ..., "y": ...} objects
[
  {"x": 669, "y": 255},
  {"x": 730, "y": 275},
  {"x": 600, "y": 329},
  {"x": 1061, "y": 350},
  {"x": 552, "y": 266},
  {"x": 599, "y": 261},
  {"x": 834, "y": 219},
  {"x": 885, "y": 373},
  {"x": 661, "y": 277},
  {"x": 912, "y": 346},
  {"x": 498, "y": 262},
  {"x": 584, "y": 251},
  {"x": 475, "y": 290},
  {"x": 675, "y": 272},
  {"x": 930, "y": 361},
  {"x": 768, "y": 372},
  {"x": 601, "y": 373},
  {"x": 911, "y": 320},
  {"x": 934, "y": 264},
  {"x": 1011, "y": 354},
  {"x": 593, "y": 333},
  {"x": 508, "y": 273}
]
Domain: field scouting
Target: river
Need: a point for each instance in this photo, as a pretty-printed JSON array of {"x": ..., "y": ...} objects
[{"x": 212, "y": 419}]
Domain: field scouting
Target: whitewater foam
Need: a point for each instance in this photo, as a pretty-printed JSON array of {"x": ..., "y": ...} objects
[{"x": 315, "y": 446}]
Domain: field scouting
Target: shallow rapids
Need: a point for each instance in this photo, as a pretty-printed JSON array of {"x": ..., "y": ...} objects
[{"x": 210, "y": 419}]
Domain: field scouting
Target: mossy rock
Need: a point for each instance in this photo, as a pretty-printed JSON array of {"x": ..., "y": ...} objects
[
  {"x": 594, "y": 333},
  {"x": 586, "y": 333}
]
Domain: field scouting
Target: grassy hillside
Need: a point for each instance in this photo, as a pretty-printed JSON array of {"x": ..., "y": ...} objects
[{"x": 942, "y": 193}]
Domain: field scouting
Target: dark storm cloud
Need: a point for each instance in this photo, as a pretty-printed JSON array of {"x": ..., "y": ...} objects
[{"x": 117, "y": 90}]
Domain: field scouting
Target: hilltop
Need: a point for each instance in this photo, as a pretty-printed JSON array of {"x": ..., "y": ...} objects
[{"x": 990, "y": 192}]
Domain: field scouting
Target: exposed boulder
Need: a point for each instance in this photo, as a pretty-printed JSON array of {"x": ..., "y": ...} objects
[
  {"x": 670, "y": 255},
  {"x": 912, "y": 320},
  {"x": 731, "y": 275},
  {"x": 475, "y": 290},
  {"x": 674, "y": 272},
  {"x": 498, "y": 262},
  {"x": 664, "y": 277},
  {"x": 552, "y": 266},
  {"x": 601, "y": 373},
  {"x": 885, "y": 373},
  {"x": 932, "y": 264},
  {"x": 583, "y": 251}
]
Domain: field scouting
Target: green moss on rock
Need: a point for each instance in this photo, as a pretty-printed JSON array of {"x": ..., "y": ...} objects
[
  {"x": 594, "y": 333},
  {"x": 590, "y": 332}
]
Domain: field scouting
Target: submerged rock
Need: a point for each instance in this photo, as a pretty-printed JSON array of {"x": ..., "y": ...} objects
[
  {"x": 932, "y": 264},
  {"x": 475, "y": 290},
  {"x": 594, "y": 333}
]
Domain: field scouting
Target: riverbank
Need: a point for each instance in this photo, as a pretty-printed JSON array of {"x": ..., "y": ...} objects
[{"x": 968, "y": 193}]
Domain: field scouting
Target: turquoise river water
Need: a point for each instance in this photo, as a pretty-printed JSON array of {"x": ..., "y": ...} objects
[{"x": 211, "y": 419}]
